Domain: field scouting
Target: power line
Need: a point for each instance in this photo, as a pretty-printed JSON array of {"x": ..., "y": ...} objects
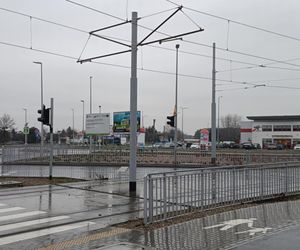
[
  {"x": 237, "y": 22},
  {"x": 205, "y": 45},
  {"x": 184, "y": 52},
  {"x": 141, "y": 69},
  {"x": 93, "y": 9}
]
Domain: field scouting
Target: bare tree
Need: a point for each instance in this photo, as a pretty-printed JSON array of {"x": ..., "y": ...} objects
[
  {"x": 6, "y": 122},
  {"x": 231, "y": 121}
]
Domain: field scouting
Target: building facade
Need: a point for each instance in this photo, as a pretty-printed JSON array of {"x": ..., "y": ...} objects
[{"x": 264, "y": 130}]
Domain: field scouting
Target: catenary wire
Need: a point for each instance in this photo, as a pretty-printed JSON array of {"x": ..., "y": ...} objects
[
  {"x": 237, "y": 22},
  {"x": 191, "y": 53},
  {"x": 205, "y": 45}
]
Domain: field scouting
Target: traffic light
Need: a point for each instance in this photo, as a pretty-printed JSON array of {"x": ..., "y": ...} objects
[
  {"x": 45, "y": 115},
  {"x": 171, "y": 120},
  {"x": 42, "y": 112}
]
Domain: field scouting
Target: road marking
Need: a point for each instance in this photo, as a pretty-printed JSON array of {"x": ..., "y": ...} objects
[
  {"x": 81, "y": 240},
  {"x": 11, "y": 209},
  {"x": 21, "y": 215},
  {"x": 30, "y": 235},
  {"x": 31, "y": 223},
  {"x": 2, "y": 205}
]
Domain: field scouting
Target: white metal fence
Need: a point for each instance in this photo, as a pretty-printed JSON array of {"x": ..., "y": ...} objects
[
  {"x": 66, "y": 155},
  {"x": 167, "y": 195}
]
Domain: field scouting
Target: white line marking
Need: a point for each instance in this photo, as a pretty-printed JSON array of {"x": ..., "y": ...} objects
[
  {"x": 11, "y": 209},
  {"x": 17, "y": 216},
  {"x": 30, "y": 235},
  {"x": 31, "y": 223},
  {"x": 2, "y": 205}
]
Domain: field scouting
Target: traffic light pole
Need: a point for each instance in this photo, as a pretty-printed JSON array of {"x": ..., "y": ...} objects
[
  {"x": 51, "y": 139},
  {"x": 133, "y": 105},
  {"x": 175, "y": 113}
]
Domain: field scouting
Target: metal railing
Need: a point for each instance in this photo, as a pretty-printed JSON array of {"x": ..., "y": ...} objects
[
  {"x": 167, "y": 195},
  {"x": 67, "y": 155}
]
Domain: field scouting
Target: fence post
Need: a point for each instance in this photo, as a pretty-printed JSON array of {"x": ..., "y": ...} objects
[
  {"x": 165, "y": 195},
  {"x": 262, "y": 182},
  {"x": 150, "y": 191},
  {"x": 145, "y": 200}
]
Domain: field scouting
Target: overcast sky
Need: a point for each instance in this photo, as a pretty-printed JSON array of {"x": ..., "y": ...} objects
[{"x": 68, "y": 81}]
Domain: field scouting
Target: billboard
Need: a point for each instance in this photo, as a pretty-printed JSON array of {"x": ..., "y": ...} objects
[
  {"x": 121, "y": 123},
  {"x": 98, "y": 124},
  {"x": 204, "y": 136}
]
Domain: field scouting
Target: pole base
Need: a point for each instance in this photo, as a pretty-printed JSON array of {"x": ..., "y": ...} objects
[{"x": 132, "y": 186}]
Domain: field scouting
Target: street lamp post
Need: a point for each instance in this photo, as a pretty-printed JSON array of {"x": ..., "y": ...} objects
[
  {"x": 82, "y": 116},
  {"x": 99, "y": 109},
  {"x": 218, "y": 137},
  {"x": 25, "y": 125},
  {"x": 42, "y": 103},
  {"x": 182, "y": 108}
]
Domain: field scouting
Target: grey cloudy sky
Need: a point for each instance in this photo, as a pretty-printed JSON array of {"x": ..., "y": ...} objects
[{"x": 68, "y": 82}]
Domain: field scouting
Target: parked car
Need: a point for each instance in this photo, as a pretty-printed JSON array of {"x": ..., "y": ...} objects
[
  {"x": 247, "y": 145},
  {"x": 297, "y": 147},
  {"x": 195, "y": 145},
  {"x": 271, "y": 146},
  {"x": 257, "y": 145}
]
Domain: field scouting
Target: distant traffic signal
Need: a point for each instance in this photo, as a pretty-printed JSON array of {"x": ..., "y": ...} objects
[
  {"x": 171, "y": 120},
  {"x": 45, "y": 115}
]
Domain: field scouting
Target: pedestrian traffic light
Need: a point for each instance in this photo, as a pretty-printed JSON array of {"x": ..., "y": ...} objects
[
  {"x": 171, "y": 120},
  {"x": 45, "y": 115}
]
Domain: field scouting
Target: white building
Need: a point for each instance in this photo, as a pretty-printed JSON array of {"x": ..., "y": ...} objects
[{"x": 263, "y": 130}]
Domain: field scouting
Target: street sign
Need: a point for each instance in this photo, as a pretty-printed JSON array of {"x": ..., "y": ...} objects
[
  {"x": 26, "y": 130},
  {"x": 98, "y": 124}
]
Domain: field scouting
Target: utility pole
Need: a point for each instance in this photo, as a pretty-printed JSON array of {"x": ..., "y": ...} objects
[
  {"x": 25, "y": 126},
  {"x": 213, "y": 109},
  {"x": 175, "y": 112},
  {"x": 133, "y": 105},
  {"x": 51, "y": 139}
]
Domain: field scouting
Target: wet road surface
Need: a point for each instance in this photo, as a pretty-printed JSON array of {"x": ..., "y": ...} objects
[{"x": 83, "y": 215}]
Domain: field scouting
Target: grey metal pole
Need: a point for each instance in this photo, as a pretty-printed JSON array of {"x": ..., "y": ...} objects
[
  {"x": 99, "y": 109},
  {"x": 175, "y": 118},
  {"x": 51, "y": 139},
  {"x": 213, "y": 109},
  {"x": 42, "y": 103},
  {"x": 91, "y": 111},
  {"x": 218, "y": 137},
  {"x": 73, "y": 123},
  {"x": 133, "y": 105},
  {"x": 82, "y": 116},
  {"x": 26, "y": 136}
]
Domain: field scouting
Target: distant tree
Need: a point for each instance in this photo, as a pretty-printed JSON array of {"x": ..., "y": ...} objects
[
  {"x": 6, "y": 124},
  {"x": 231, "y": 121}
]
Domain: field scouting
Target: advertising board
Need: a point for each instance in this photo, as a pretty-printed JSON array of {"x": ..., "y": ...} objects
[
  {"x": 98, "y": 124},
  {"x": 121, "y": 121}
]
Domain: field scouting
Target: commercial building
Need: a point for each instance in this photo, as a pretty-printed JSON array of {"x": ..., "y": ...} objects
[{"x": 264, "y": 130}]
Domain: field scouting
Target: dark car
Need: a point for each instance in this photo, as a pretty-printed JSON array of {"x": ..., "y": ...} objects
[
  {"x": 271, "y": 146},
  {"x": 247, "y": 145}
]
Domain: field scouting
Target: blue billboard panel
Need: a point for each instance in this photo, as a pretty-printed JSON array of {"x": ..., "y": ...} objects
[{"x": 121, "y": 121}]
